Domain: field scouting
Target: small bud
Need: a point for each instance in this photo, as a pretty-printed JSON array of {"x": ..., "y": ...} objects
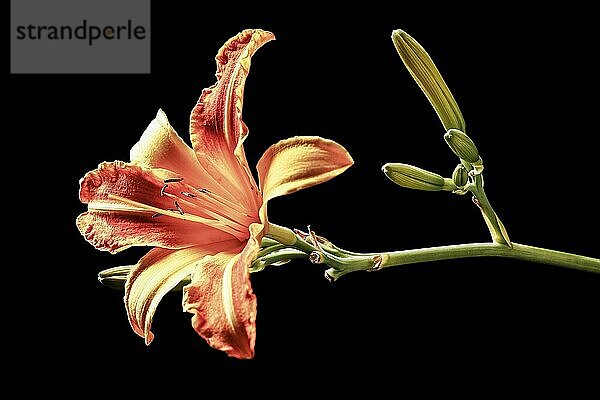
[
  {"x": 115, "y": 278},
  {"x": 462, "y": 145},
  {"x": 429, "y": 79},
  {"x": 412, "y": 177},
  {"x": 460, "y": 176}
]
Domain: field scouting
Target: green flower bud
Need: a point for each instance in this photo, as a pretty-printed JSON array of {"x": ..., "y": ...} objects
[
  {"x": 412, "y": 177},
  {"x": 429, "y": 79},
  {"x": 116, "y": 277},
  {"x": 460, "y": 176},
  {"x": 462, "y": 145}
]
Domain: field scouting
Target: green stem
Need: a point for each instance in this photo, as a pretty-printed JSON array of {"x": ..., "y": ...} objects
[
  {"x": 342, "y": 262},
  {"x": 495, "y": 226},
  {"x": 518, "y": 251},
  {"x": 470, "y": 250},
  {"x": 289, "y": 238},
  {"x": 276, "y": 258},
  {"x": 269, "y": 249}
]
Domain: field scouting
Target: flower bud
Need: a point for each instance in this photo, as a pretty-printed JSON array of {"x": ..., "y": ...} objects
[
  {"x": 462, "y": 145},
  {"x": 412, "y": 177},
  {"x": 115, "y": 278},
  {"x": 429, "y": 79},
  {"x": 460, "y": 176}
]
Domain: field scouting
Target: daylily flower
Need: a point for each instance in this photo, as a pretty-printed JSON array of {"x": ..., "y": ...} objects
[{"x": 200, "y": 207}]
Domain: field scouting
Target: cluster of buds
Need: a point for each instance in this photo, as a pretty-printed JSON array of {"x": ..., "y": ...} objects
[
  {"x": 425, "y": 73},
  {"x": 467, "y": 175}
]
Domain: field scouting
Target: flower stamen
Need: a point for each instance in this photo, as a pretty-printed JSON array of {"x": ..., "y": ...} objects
[
  {"x": 179, "y": 207},
  {"x": 172, "y": 180},
  {"x": 135, "y": 206},
  {"x": 191, "y": 195},
  {"x": 208, "y": 207},
  {"x": 222, "y": 200}
]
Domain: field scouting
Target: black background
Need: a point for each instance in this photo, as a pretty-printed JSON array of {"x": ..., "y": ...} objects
[{"x": 521, "y": 78}]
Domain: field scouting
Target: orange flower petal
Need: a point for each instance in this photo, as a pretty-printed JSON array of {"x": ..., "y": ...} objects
[
  {"x": 113, "y": 226},
  {"x": 220, "y": 297},
  {"x": 159, "y": 271},
  {"x": 300, "y": 162},
  {"x": 216, "y": 125}
]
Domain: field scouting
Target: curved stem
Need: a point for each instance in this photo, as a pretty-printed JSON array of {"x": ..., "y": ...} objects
[
  {"x": 518, "y": 251},
  {"x": 277, "y": 257},
  {"x": 342, "y": 262},
  {"x": 269, "y": 249}
]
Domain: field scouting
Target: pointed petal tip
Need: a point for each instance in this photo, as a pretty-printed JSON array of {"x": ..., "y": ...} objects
[
  {"x": 266, "y": 35},
  {"x": 243, "y": 356},
  {"x": 148, "y": 338},
  {"x": 101, "y": 277},
  {"x": 349, "y": 158},
  {"x": 161, "y": 116},
  {"x": 398, "y": 32}
]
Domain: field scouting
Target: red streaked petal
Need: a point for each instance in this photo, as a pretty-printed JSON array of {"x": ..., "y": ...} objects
[
  {"x": 124, "y": 180},
  {"x": 220, "y": 297},
  {"x": 300, "y": 162},
  {"x": 159, "y": 271},
  {"x": 216, "y": 125},
  {"x": 113, "y": 225},
  {"x": 117, "y": 231}
]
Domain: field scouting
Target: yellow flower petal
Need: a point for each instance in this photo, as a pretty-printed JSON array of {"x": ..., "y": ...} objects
[
  {"x": 300, "y": 162},
  {"x": 159, "y": 271},
  {"x": 161, "y": 147}
]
